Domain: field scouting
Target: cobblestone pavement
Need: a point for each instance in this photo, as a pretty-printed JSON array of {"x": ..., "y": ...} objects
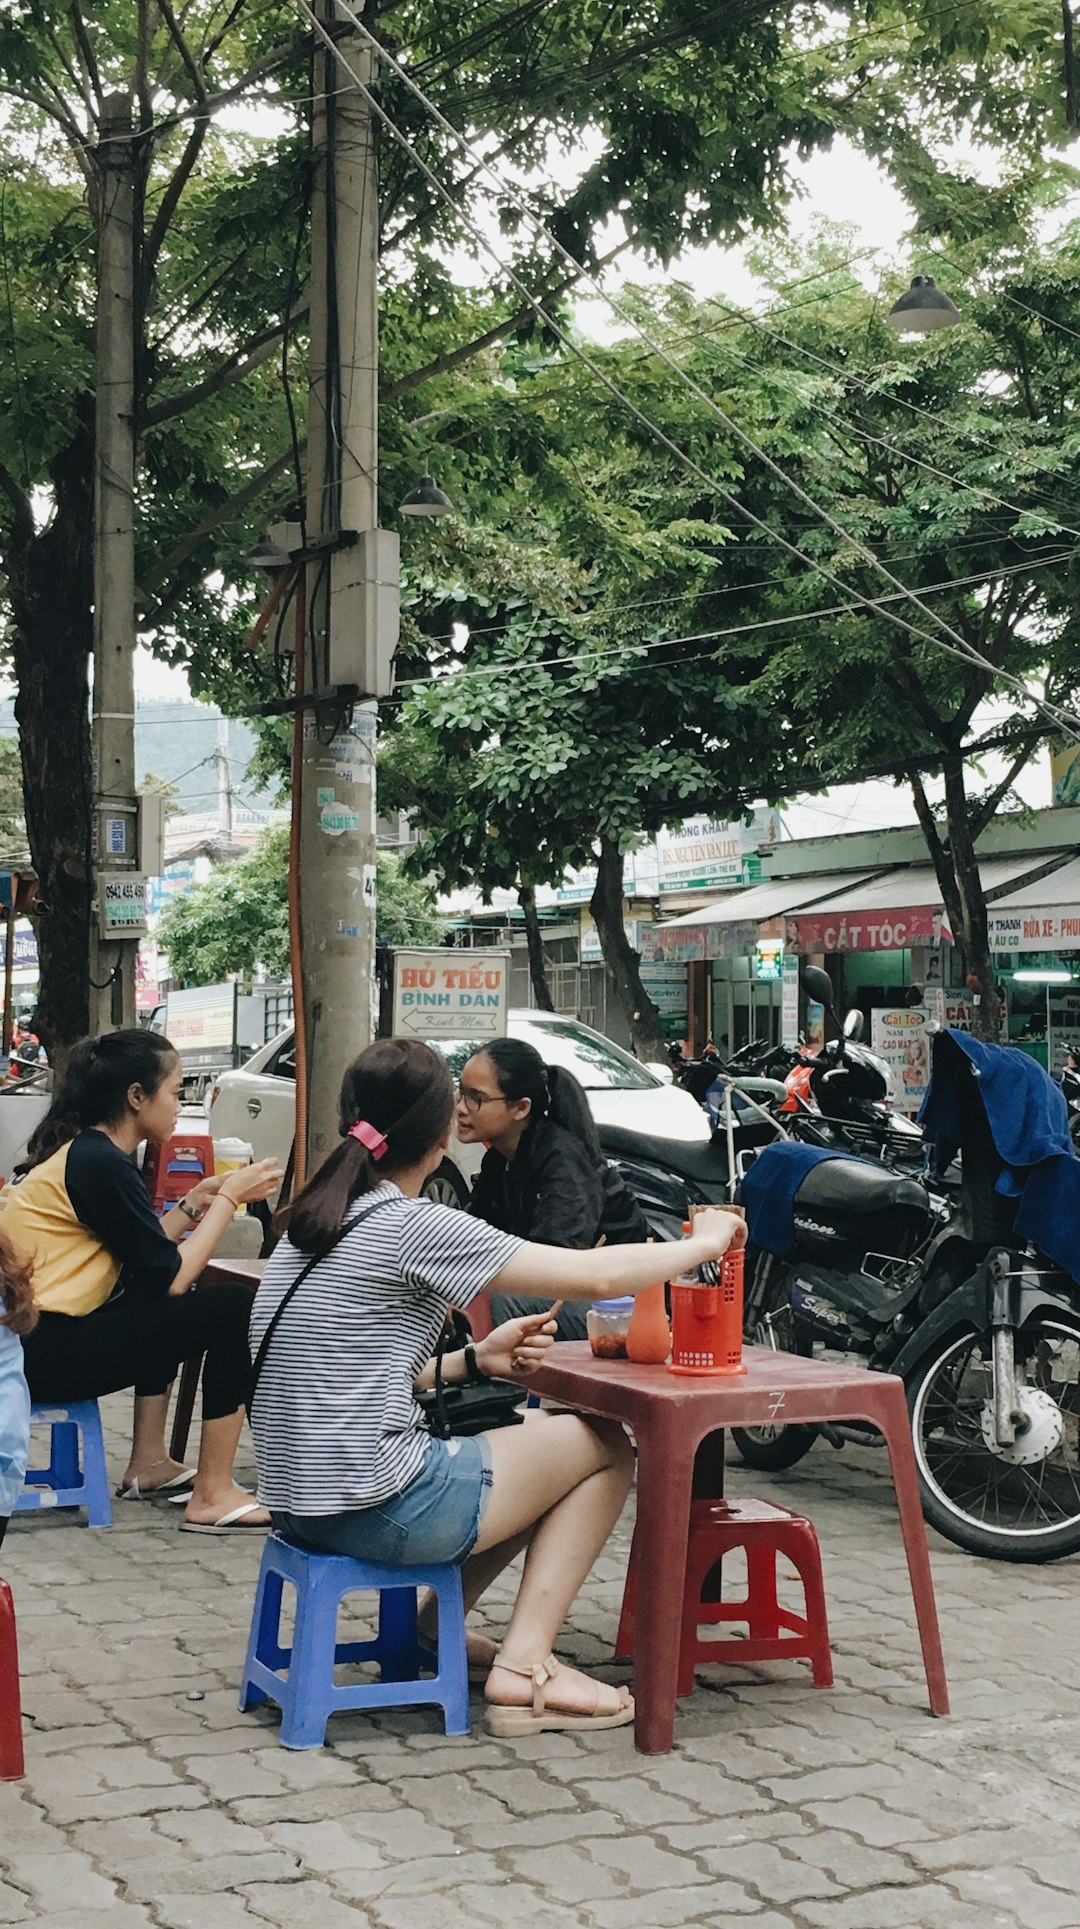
[{"x": 149, "y": 1800}]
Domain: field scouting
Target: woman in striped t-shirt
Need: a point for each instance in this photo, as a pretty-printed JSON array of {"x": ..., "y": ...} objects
[{"x": 345, "y": 1462}]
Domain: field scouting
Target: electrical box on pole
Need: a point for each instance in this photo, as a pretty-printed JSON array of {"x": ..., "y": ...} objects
[
  {"x": 365, "y": 618},
  {"x": 151, "y": 834}
]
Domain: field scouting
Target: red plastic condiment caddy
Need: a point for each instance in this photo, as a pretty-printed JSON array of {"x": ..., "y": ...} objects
[{"x": 707, "y": 1320}]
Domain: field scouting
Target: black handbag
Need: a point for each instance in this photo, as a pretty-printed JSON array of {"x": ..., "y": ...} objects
[{"x": 471, "y": 1406}]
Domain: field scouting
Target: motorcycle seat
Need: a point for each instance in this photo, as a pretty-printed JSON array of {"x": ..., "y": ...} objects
[
  {"x": 849, "y": 1185},
  {"x": 703, "y": 1161}
]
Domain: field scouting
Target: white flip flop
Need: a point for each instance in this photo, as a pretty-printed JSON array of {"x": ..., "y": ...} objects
[
  {"x": 235, "y": 1522},
  {"x": 168, "y": 1490}
]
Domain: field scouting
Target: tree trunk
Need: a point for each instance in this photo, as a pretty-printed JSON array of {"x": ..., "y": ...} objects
[
  {"x": 541, "y": 990},
  {"x": 974, "y": 934},
  {"x": 49, "y": 585},
  {"x": 622, "y": 961}
]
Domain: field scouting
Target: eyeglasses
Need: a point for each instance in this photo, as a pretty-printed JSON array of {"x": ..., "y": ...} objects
[{"x": 472, "y": 1101}]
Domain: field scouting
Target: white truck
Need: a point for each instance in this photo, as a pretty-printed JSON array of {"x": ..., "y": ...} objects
[{"x": 215, "y": 1028}]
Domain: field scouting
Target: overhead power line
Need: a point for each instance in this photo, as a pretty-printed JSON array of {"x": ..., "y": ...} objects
[
  {"x": 946, "y": 638},
  {"x": 758, "y": 627}
]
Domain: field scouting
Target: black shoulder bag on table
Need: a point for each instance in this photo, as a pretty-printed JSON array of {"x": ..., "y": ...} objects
[{"x": 474, "y": 1407}]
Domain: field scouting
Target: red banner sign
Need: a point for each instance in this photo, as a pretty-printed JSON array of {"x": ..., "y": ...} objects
[{"x": 867, "y": 930}]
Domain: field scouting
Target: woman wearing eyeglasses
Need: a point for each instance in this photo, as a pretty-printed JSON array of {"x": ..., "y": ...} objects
[{"x": 544, "y": 1177}]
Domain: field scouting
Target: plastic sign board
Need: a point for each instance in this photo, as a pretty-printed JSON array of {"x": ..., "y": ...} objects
[
  {"x": 451, "y": 994},
  {"x": 901, "y": 1036},
  {"x": 829, "y": 931},
  {"x": 789, "y": 999},
  {"x": 1039, "y": 929},
  {"x": 201, "y": 1018},
  {"x": 122, "y": 905}
]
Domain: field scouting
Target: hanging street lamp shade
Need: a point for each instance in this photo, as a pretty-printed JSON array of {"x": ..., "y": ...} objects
[
  {"x": 924, "y": 307},
  {"x": 426, "y": 499},
  {"x": 268, "y": 554}
]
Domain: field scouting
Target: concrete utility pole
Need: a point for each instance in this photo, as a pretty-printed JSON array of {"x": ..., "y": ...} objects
[
  {"x": 224, "y": 779},
  {"x": 351, "y": 589},
  {"x": 114, "y": 834}
]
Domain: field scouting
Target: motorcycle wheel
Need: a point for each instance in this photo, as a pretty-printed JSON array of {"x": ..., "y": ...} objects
[
  {"x": 771, "y": 1449},
  {"x": 1018, "y": 1503}
]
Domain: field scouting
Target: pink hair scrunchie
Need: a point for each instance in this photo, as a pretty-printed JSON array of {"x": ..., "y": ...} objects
[{"x": 369, "y": 1136}]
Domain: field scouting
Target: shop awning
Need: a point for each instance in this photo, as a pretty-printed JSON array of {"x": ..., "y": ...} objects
[
  {"x": 770, "y": 899},
  {"x": 1041, "y": 916},
  {"x": 896, "y": 909}
]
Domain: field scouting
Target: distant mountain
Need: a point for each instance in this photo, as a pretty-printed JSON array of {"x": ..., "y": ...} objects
[{"x": 176, "y": 741}]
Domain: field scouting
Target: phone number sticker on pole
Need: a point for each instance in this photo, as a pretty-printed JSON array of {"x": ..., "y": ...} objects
[{"x": 451, "y": 994}]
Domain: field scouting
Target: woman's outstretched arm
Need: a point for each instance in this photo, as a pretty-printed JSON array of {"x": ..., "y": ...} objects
[{"x": 607, "y": 1272}]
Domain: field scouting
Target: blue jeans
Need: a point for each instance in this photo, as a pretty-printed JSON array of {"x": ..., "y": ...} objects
[{"x": 435, "y": 1519}]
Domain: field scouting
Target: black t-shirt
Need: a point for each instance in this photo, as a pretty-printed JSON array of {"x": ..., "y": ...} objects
[
  {"x": 107, "y": 1195},
  {"x": 557, "y": 1191}
]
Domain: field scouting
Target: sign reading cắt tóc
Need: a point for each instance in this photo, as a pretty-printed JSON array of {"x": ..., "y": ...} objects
[
  {"x": 451, "y": 994},
  {"x": 867, "y": 930}
]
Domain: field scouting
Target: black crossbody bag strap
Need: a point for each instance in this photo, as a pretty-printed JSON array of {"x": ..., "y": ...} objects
[{"x": 347, "y": 1225}]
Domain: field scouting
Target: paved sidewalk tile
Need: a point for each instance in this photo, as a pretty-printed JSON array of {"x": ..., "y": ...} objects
[{"x": 151, "y": 1803}]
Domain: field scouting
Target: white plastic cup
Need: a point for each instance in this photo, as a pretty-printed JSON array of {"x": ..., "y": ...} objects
[{"x": 232, "y": 1155}]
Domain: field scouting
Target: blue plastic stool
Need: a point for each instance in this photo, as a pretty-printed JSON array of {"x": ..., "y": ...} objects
[
  {"x": 306, "y": 1693},
  {"x": 70, "y": 1479}
]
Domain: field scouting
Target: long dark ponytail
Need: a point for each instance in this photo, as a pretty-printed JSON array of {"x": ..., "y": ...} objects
[
  {"x": 96, "y": 1080},
  {"x": 402, "y": 1088},
  {"x": 555, "y": 1094}
]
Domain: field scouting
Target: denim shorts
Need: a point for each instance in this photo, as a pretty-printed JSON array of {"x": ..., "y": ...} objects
[{"x": 436, "y": 1518}]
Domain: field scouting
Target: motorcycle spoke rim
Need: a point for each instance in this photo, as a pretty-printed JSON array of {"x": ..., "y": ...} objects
[{"x": 1010, "y": 1500}]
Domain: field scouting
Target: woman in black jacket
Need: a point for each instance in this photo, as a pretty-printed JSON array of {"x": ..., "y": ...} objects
[{"x": 544, "y": 1176}]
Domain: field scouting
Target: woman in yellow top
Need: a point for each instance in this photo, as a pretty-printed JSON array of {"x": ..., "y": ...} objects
[{"x": 114, "y": 1284}]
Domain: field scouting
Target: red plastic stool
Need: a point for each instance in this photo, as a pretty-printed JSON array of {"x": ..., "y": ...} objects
[
  {"x": 774, "y": 1633},
  {"x": 171, "y": 1169},
  {"x": 11, "y": 1737}
]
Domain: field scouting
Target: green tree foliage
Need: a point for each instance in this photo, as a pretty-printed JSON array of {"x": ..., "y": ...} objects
[
  {"x": 692, "y": 662},
  {"x": 12, "y": 820},
  {"x": 687, "y": 119},
  {"x": 239, "y": 918}
]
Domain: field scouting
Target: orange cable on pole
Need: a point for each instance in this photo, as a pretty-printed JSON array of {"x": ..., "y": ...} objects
[{"x": 295, "y": 952}]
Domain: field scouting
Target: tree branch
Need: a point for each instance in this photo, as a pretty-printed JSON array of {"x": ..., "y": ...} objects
[
  {"x": 225, "y": 512},
  {"x": 73, "y": 133},
  {"x": 214, "y": 43},
  {"x": 455, "y": 356},
  {"x": 20, "y": 502},
  {"x": 86, "y": 52},
  {"x": 140, "y": 78},
  {"x": 240, "y": 363},
  {"x": 74, "y": 77},
  {"x": 169, "y": 200},
  {"x": 939, "y": 856},
  {"x": 176, "y": 35},
  {"x": 982, "y": 812}
]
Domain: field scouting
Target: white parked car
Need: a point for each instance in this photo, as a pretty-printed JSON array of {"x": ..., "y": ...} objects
[{"x": 257, "y": 1101}]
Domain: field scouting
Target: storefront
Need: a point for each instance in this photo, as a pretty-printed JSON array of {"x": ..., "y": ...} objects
[
  {"x": 884, "y": 937},
  {"x": 1035, "y": 938},
  {"x": 736, "y": 948}
]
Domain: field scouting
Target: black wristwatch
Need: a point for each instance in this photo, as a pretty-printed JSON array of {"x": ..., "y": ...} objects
[{"x": 474, "y": 1372}]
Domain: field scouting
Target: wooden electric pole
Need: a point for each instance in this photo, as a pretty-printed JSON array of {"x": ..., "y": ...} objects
[
  {"x": 114, "y": 830},
  {"x": 351, "y": 588}
]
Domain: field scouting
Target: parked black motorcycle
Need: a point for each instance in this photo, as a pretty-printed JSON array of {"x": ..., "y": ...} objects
[
  {"x": 1070, "y": 1091},
  {"x": 981, "y": 1326}
]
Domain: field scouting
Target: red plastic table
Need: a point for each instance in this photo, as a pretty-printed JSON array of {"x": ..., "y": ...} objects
[{"x": 670, "y": 1415}]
